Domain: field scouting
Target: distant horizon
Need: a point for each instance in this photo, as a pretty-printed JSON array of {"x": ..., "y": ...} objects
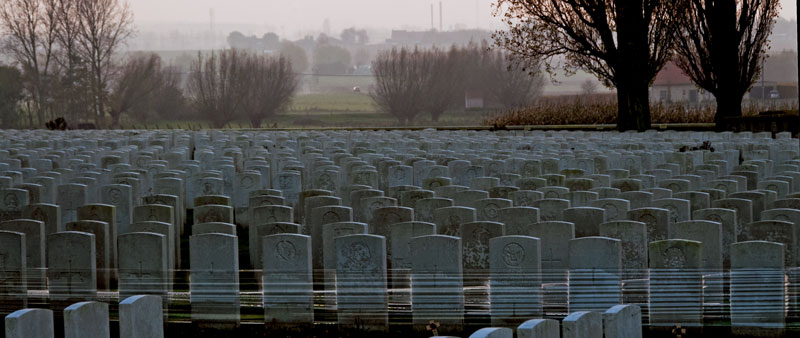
[{"x": 300, "y": 17}]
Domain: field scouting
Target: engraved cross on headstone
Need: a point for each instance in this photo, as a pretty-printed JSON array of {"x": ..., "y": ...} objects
[
  {"x": 139, "y": 274},
  {"x": 550, "y": 260},
  {"x": 70, "y": 275}
]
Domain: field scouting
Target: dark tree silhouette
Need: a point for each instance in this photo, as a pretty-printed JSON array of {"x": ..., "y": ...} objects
[
  {"x": 11, "y": 93},
  {"x": 272, "y": 86},
  {"x": 623, "y": 43},
  {"x": 444, "y": 88},
  {"x": 721, "y": 45},
  {"x": 134, "y": 85},
  {"x": 508, "y": 84},
  {"x": 398, "y": 78},
  {"x": 218, "y": 85}
]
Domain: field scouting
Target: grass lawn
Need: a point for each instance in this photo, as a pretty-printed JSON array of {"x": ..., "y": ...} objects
[{"x": 326, "y": 110}]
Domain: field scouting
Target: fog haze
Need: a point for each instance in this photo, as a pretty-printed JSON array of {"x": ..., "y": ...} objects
[
  {"x": 294, "y": 15},
  {"x": 299, "y": 17}
]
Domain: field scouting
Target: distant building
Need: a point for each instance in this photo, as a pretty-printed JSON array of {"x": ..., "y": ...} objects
[
  {"x": 362, "y": 70},
  {"x": 771, "y": 90},
  {"x": 434, "y": 37},
  {"x": 473, "y": 99},
  {"x": 673, "y": 86}
]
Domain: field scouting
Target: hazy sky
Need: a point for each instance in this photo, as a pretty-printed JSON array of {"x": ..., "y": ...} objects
[
  {"x": 300, "y": 15},
  {"x": 309, "y": 14}
]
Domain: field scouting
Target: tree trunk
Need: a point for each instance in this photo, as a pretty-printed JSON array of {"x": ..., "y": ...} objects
[
  {"x": 729, "y": 104},
  {"x": 632, "y": 62},
  {"x": 219, "y": 124},
  {"x": 633, "y": 108},
  {"x": 724, "y": 48},
  {"x": 114, "y": 119},
  {"x": 255, "y": 122}
]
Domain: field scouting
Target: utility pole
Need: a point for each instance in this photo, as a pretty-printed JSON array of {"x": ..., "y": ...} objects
[
  {"x": 440, "y": 17},
  {"x": 433, "y": 24}
]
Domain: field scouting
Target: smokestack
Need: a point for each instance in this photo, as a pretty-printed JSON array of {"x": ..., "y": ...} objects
[
  {"x": 433, "y": 24},
  {"x": 441, "y": 26}
]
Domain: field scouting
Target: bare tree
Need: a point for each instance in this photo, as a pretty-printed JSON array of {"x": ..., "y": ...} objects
[
  {"x": 272, "y": 86},
  {"x": 444, "y": 88},
  {"x": 509, "y": 84},
  {"x": 721, "y": 47},
  {"x": 168, "y": 101},
  {"x": 11, "y": 94},
  {"x": 103, "y": 26},
  {"x": 296, "y": 55},
  {"x": 624, "y": 43},
  {"x": 588, "y": 87},
  {"x": 73, "y": 92},
  {"x": 218, "y": 85},
  {"x": 30, "y": 27},
  {"x": 134, "y": 85},
  {"x": 399, "y": 75}
]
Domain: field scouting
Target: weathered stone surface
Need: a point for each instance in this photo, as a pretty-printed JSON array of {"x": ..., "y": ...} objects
[
  {"x": 582, "y": 325},
  {"x": 13, "y": 272},
  {"x": 143, "y": 265},
  {"x": 27, "y": 323},
  {"x": 623, "y": 321},
  {"x": 515, "y": 279},
  {"x": 71, "y": 266},
  {"x": 287, "y": 282},
  {"x": 539, "y": 328},
  {"x": 437, "y": 289},
  {"x": 214, "y": 279},
  {"x": 595, "y": 282},
  {"x": 86, "y": 320},
  {"x": 361, "y": 284},
  {"x": 141, "y": 317},
  {"x": 757, "y": 287},
  {"x": 675, "y": 282}
]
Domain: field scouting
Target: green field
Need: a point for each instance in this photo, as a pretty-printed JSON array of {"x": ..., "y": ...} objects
[{"x": 327, "y": 110}]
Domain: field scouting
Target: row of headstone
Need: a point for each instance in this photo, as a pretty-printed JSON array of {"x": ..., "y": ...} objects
[
  {"x": 139, "y": 317},
  {"x": 617, "y": 321},
  {"x": 578, "y": 178},
  {"x": 74, "y": 275}
]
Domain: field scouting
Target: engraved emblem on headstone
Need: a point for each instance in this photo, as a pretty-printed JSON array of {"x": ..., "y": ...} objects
[
  {"x": 283, "y": 182},
  {"x": 490, "y": 211},
  {"x": 330, "y": 217},
  {"x": 674, "y": 258},
  {"x": 611, "y": 210},
  {"x": 673, "y": 213},
  {"x": 357, "y": 257},
  {"x": 391, "y": 218},
  {"x": 115, "y": 195},
  {"x": 781, "y": 218},
  {"x": 513, "y": 254},
  {"x": 324, "y": 181},
  {"x": 476, "y": 251},
  {"x": 39, "y": 215},
  {"x": 208, "y": 189},
  {"x": 11, "y": 201},
  {"x": 246, "y": 182},
  {"x": 212, "y": 215},
  {"x": 399, "y": 175},
  {"x": 285, "y": 250}
]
